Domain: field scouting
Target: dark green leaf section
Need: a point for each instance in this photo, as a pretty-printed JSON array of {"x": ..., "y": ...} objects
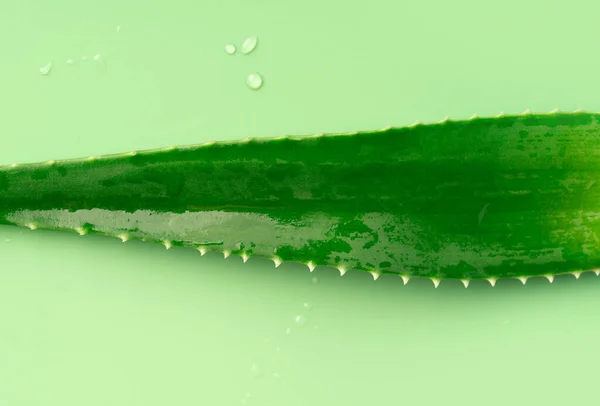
[{"x": 489, "y": 197}]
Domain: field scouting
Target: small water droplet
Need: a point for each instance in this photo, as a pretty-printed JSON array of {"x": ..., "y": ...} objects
[
  {"x": 254, "y": 81},
  {"x": 255, "y": 370},
  {"x": 101, "y": 61},
  {"x": 230, "y": 49},
  {"x": 307, "y": 306},
  {"x": 249, "y": 44},
  {"x": 70, "y": 61},
  {"x": 45, "y": 70},
  {"x": 315, "y": 280},
  {"x": 300, "y": 320}
]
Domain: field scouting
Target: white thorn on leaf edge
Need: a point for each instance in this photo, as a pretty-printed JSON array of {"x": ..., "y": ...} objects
[
  {"x": 526, "y": 111},
  {"x": 444, "y": 120},
  {"x": 244, "y": 257},
  {"x": 167, "y": 244},
  {"x": 226, "y": 253},
  {"x": 416, "y": 123},
  {"x": 576, "y": 274},
  {"x": 202, "y": 250},
  {"x": 554, "y": 111},
  {"x": 123, "y": 237},
  {"x": 81, "y": 231},
  {"x": 578, "y": 110},
  {"x": 473, "y": 117},
  {"x": 375, "y": 274},
  {"x": 277, "y": 261},
  {"x": 465, "y": 282},
  {"x": 405, "y": 279},
  {"x": 550, "y": 278},
  {"x": 501, "y": 114},
  {"x": 311, "y": 266},
  {"x": 523, "y": 279},
  {"x": 492, "y": 281},
  {"x": 342, "y": 270},
  {"x": 597, "y": 272},
  {"x": 31, "y": 226},
  {"x": 436, "y": 282}
]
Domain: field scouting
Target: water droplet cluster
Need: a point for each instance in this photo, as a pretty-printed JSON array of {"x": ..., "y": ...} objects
[{"x": 254, "y": 80}]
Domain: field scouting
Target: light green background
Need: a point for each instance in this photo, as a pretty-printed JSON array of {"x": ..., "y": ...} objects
[{"x": 91, "y": 321}]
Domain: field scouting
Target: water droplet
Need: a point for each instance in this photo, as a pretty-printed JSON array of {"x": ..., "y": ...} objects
[
  {"x": 255, "y": 370},
  {"x": 230, "y": 49},
  {"x": 300, "y": 320},
  {"x": 307, "y": 306},
  {"x": 249, "y": 44},
  {"x": 315, "y": 280},
  {"x": 100, "y": 59},
  {"x": 254, "y": 81},
  {"x": 45, "y": 70}
]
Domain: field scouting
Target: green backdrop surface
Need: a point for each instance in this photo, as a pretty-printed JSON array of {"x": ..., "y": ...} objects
[{"x": 92, "y": 321}]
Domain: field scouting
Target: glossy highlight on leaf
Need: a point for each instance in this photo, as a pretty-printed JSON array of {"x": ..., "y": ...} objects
[{"x": 486, "y": 198}]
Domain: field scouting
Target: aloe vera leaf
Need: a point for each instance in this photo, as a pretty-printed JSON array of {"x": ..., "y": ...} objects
[{"x": 485, "y": 198}]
